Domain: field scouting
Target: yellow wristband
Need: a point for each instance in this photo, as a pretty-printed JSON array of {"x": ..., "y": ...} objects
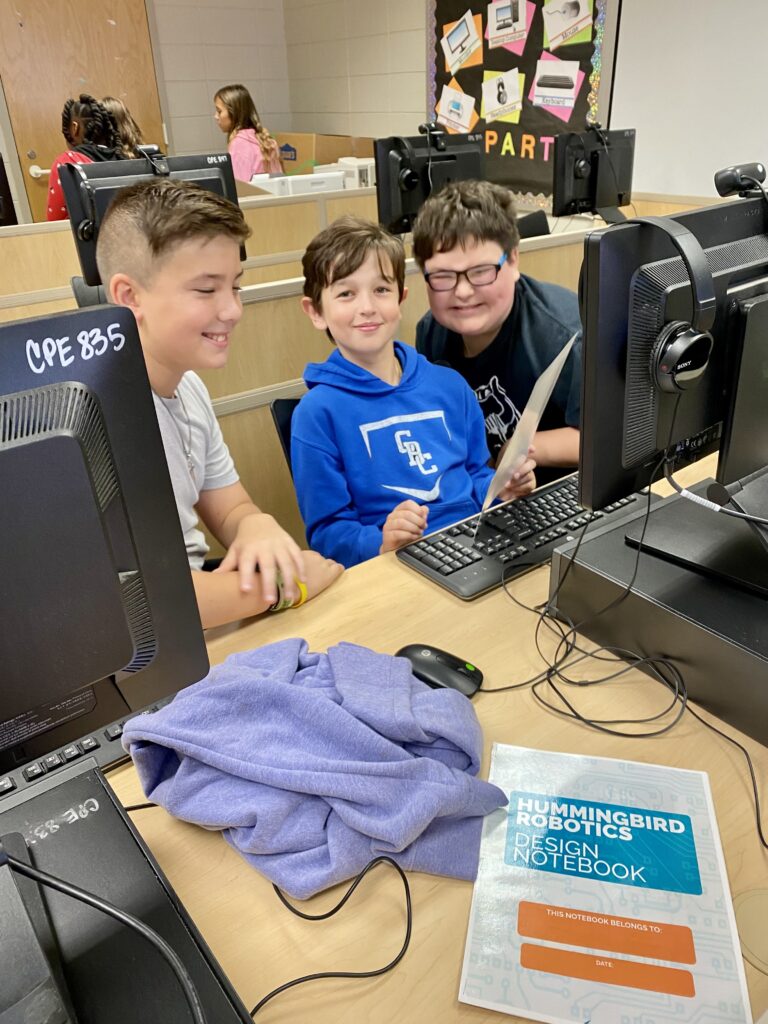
[{"x": 302, "y": 593}]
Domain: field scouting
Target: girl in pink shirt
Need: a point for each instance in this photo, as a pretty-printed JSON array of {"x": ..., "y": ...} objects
[{"x": 252, "y": 148}]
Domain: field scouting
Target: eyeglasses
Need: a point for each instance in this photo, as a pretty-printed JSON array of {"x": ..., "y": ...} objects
[{"x": 446, "y": 280}]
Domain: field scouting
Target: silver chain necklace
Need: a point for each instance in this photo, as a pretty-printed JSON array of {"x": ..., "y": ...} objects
[{"x": 185, "y": 447}]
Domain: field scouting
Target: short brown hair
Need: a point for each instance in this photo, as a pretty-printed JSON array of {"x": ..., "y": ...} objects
[
  {"x": 147, "y": 221},
  {"x": 479, "y": 210},
  {"x": 342, "y": 247}
]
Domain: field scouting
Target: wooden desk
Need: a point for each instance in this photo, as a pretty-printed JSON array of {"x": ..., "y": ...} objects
[{"x": 260, "y": 945}]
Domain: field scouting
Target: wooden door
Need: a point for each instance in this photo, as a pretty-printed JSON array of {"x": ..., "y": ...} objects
[{"x": 53, "y": 49}]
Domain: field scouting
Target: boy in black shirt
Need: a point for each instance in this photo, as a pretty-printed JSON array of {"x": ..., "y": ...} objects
[{"x": 497, "y": 327}]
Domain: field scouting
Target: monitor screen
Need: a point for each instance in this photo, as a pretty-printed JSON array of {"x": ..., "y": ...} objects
[
  {"x": 503, "y": 13},
  {"x": 90, "y": 188},
  {"x": 459, "y": 35},
  {"x": 409, "y": 169},
  {"x": 593, "y": 172},
  {"x": 99, "y": 617},
  {"x": 634, "y": 282}
]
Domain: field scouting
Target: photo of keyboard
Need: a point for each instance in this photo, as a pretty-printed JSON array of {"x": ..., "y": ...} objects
[
  {"x": 555, "y": 82},
  {"x": 513, "y": 538}
]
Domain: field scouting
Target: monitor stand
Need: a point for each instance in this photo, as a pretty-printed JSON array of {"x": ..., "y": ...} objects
[
  {"x": 708, "y": 542},
  {"x": 610, "y": 214},
  {"x": 32, "y": 985},
  {"x": 73, "y": 826}
]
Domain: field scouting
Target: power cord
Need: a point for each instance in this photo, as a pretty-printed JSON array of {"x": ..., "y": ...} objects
[
  {"x": 568, "y": 646},
  {"x": 322, "y": 917},
  {"x": 329, "y": 913},
  {"x": 83, "y": 896}
]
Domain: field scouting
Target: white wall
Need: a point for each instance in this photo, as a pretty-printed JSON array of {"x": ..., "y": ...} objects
[
  {"x": 357, "y": 67},
  {"x": 691, "y": 78},
  {"x": 204, "y": 44}
]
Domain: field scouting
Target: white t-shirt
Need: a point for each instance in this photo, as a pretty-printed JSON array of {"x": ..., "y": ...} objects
[{"x": 188, "y": 425}]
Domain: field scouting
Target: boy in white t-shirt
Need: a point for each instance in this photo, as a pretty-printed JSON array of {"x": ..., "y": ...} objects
[{"x": 170, "y": 251}]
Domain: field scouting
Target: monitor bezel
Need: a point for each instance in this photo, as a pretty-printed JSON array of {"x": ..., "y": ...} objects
[
  {"x": 618, "y": 263},
  {"x": 89, "y": 188}
]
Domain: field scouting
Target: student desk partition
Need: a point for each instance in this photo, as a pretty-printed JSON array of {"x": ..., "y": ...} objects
[{"x": 383, "y": 605}]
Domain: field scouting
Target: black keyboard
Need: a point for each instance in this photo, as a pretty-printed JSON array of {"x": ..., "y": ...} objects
[
  {"x": 513, "y": 538},
  {"x": 555, "y": 82},
  {"x": 104, "y": 745}
]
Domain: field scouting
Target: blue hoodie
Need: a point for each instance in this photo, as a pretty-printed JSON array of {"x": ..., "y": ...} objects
[{"x": 360, "y": 446}]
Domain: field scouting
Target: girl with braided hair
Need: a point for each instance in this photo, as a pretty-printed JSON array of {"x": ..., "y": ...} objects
[
  {"x": 252, "y": 148},
  {"x": 91, "y": 135}
]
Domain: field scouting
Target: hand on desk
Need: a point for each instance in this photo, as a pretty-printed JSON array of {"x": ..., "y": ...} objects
[
  {"x": 261, "y": 542},
  {"x": 320, "y": 572}
]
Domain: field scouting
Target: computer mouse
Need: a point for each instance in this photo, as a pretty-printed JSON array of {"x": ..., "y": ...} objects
[{"x": 439, "y": 668}]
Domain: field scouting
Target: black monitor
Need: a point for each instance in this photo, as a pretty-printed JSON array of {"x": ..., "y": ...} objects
[
  {"x": 409, "y": 169},
  {"x": 593, "y": 172},
  {"x": 635, "y": 287},
  {"x": 90, "y": 188},
  {"x": 98, "y": 611},
  {"x": 99, "y": 621}
]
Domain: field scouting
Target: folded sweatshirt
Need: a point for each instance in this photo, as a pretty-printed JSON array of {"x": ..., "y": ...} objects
[{"x": 313, "y": 764}]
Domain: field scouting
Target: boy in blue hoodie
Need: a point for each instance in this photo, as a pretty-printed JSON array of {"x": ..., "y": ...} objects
[{"x": 384, "y": 442}]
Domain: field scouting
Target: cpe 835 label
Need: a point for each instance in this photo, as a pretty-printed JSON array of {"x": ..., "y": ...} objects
[{"x": 86, "y": 344}]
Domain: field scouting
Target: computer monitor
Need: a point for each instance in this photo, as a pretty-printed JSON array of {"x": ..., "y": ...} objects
[
  {"x": 635, "y": 285},
  {"x": 90, "y": 188},
  {"x": 458, "y": 36},
  {"x": 99, "y": 620},
  {"x": 98, "y": 611},
  {"x": 408, "y": 170},
  {"x": 593, "y": 172},
  {"x": 504, "y": 17}
]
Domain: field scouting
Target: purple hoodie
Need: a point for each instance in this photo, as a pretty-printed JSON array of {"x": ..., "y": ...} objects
[
  {"x": 314, "y": 764},
  {"x": 248, "y": 158}
]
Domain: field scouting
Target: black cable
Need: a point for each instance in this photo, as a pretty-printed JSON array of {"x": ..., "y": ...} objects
[
  {"x": 757, "y": 184},
  {"x": 170, "y": 956},
  {"x": 753, "y": 777},
  {"x": 329, "y": 913},
  {"x": 138, "y": 807},
  {"x": 711, "y": 505},
  {"x": 554, "y": 670}
]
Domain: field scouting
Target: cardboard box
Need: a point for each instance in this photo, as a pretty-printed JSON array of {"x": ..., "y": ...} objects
[{"x": 301, "y": 151}]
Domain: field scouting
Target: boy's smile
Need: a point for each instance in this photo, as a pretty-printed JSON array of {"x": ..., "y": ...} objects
[
  {"x": 476, "y": 312},
  {"x": 362, "y": 313}
]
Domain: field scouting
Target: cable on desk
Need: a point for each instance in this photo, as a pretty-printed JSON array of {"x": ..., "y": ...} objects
[
  {"x": 568, "y": 647},
  {"x": 165, "y": 950},
  {"x": 139, "y": 807},
  {"x": 330, "y": 913}
]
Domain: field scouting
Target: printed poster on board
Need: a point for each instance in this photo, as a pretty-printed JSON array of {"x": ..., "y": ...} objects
[
  {"x": 602, "y": 889},
  {"x": 520, "y": 72}
]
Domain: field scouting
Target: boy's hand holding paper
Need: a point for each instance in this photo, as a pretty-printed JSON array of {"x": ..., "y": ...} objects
[{"x": 519, "y": 448}]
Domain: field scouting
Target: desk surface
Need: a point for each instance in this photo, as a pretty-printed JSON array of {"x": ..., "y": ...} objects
[{"x": 384, "y": 605}]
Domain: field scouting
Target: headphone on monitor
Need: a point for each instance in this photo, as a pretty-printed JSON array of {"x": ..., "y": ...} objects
[{"x": 681, "y": 351}]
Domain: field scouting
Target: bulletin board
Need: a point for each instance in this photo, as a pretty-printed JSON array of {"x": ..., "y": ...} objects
[{"x": 521, "y": 72}]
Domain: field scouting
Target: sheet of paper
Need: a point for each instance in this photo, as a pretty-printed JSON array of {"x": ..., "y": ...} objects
[
  {"x": 602, "y": 896},
  {"x": 522, "y": 439}
]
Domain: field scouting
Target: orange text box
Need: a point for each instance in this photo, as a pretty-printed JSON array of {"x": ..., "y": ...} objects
[
  {"x": 604, "y": 931},
  {"x": 607, "y": 970}
]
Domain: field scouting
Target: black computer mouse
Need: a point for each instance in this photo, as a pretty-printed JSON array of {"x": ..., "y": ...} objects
[{"x": 439, "y": 668}]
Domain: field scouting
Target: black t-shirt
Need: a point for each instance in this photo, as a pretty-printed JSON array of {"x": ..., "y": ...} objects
[{"x": 542, "y": 320}]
